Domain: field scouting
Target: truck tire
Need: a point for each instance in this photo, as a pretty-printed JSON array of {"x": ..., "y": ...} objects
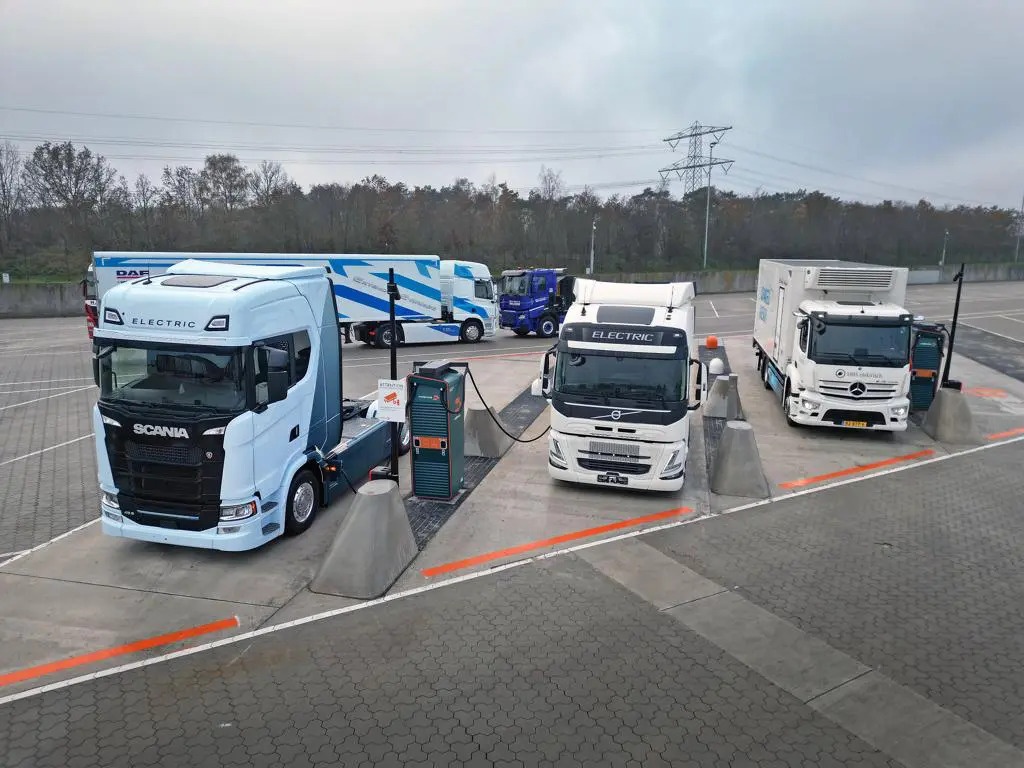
[
  {"x": 785, "y": 405},
  {"x": 547, "y": 326},
  {"x": 302, "y": 502},
  {"x": 472, "y": 331},
  {"x": 384, "y": 336},
  {"x": 521, "y": 331},
  {"x": 404, "y": 436}
]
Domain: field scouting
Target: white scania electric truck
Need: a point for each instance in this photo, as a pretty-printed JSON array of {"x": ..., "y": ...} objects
[
  {"x": 620, "y": 387},
  {"x": 221, "y": 422},
  {"x": 832, "y": 339}
]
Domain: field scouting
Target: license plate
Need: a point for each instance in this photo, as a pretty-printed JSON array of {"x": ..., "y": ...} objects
[
  {"x": 855, "y": 423},
  {"x": 613, "y": 479}
]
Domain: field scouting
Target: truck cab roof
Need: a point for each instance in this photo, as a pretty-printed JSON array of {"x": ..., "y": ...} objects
[
  {"x": 843, "y": 308},
  {"x": 222, "y": 304}
]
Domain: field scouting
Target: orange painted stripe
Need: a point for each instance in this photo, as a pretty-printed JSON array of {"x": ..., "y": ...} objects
[
  {"x": 805, "y": 481},
  {"x": 500, "y": 553},
  {"x": 121, "y": 650},
  {"x": 1007, "y": 433}
]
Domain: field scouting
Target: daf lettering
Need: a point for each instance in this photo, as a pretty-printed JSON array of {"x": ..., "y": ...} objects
[
  {"x": 131, "y": 274},
  {"x": 160, "y": 431}
]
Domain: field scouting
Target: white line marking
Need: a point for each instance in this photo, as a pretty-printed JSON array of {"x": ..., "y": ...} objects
[
  {"x": 44, "y": 450},
  {"x": 369, "y": 395},
  {"x": 986, "y": 330},
  {"x": 713, "y": 308},
  {"x": 35, "y": 389},
  {"x": 244, "y": 636},
  {"x": 1014, "y": 319},
  {"x": 44, "y": 381},
  {"x": 12, "y": 554},
  {"x": 37, "y": 547},
  {"x": 40, "y": 399}
]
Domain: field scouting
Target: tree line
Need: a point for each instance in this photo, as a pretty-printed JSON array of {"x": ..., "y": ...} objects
[{"x": 62, "y": 202}]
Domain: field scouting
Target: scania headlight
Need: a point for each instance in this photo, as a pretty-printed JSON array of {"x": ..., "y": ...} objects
[
  {"x": 238, "y": 511},
  {"x": 110, "y": 499}
]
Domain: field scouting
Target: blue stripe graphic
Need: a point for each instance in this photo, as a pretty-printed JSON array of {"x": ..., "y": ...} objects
[
  {"x": 450, "y": 330},
  {"x": 413, "y": 285},
  {"x": 374, "y": 302},
  {"x": 468, "y": 306},
  {"x": 461, "y": 271}
]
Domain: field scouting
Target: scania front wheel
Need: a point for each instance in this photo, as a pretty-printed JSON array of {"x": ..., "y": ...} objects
[{"x": 302, "y": 502}]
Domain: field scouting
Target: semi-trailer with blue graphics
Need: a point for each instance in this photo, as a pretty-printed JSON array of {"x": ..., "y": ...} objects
[{"x": 441, "y": 300}]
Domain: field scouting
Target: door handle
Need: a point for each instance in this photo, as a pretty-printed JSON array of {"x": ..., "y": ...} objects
[{"x": 294, "y": 433}]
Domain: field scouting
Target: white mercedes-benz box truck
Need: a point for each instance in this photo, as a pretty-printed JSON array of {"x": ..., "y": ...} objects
[
  {"x": 621, "y": 388},
  {"x": 832, "y": 339}
]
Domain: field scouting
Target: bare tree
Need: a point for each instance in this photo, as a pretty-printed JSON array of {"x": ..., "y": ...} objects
[
  {"x": 144, "y": 199},
  {"x": 59, "y": 176},
  {"x": 268, "y": 182},
  {"x": 11, "y": 191},
  {"x": 228, "y": 181}
]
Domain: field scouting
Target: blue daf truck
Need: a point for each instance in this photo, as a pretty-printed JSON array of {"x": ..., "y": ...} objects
[{"x": 534, "y": 300}]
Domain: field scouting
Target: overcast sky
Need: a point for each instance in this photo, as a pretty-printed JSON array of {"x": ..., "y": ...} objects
[{"x": 869, "y": 99}]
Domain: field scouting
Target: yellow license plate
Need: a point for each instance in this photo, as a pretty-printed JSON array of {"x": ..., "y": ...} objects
[{"x": 855, "y": 423}]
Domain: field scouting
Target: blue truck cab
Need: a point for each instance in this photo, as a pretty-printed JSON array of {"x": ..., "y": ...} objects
[
  {"x": 221, "y": 422},
  {"x": 534, "y": 300}
]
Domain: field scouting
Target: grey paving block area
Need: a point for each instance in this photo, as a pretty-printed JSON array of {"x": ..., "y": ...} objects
[
  {"x": 550, "y": 664},
  {"x": 917, "y": 575}
]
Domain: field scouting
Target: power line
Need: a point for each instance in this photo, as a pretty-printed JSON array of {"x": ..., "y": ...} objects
[
  {"x": 832, "y": 172},
  {"x": 315, "y": 127},
  {"x": 124, "y": 141},
  {"x": 692, "y": 169}
]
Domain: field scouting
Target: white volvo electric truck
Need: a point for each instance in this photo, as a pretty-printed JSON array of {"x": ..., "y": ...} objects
[
  {"x": 620, "y": 386},
  {"x": 832, "y": 339}
]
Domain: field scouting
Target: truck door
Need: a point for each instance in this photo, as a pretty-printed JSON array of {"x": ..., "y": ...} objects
[
  {"x": 780, "y": 303},
  {"x": 281, "y": 430}
]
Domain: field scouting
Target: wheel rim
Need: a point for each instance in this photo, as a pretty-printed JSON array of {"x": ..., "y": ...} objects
[
  {"x": 547, "y": 327},
  {"x": 472, "y": 332},
  {"x": 302, "y": 502},
  {"x": 385, "y": 338},
  {"x": 404, "y": 436}
]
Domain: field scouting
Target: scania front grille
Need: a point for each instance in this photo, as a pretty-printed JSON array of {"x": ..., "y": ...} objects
[{"x": 164, "y": 454}]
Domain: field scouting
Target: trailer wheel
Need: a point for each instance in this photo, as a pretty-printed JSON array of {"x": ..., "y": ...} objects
[
  {"x": 472, "y": 331},
  {"x": 302, "y": 502},
  {"x": 547, "y": 327}
]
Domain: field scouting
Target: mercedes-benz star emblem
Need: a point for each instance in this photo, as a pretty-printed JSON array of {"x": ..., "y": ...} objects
[{"x": 857, "y": 389}]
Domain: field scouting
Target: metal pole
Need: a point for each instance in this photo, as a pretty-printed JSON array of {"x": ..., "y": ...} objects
[
  {"x": 593, "y": 231},
  {"x": 1020, "y": 230},
  {"x": 393, "y": 296},
  {"x": 959, "y": 278},
  {"x": 942, "y": 258},
  {"x": 707, "y": 211}
]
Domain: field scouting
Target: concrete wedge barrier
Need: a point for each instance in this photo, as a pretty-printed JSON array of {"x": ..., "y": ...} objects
[
  {"x": 949, "y": 419},
  {"x": 724, "y": 398},
  {"x": 483, "y": 435},
  {"x": 372, "y": 548},
  {"x": 737, "y": 468}
]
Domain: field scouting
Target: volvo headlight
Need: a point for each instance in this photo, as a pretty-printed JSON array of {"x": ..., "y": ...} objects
[{"x": 556, "y": 455}]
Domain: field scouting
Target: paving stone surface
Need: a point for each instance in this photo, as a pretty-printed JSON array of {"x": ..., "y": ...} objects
[
  {"x": 918, "y": 575},
  {"x": 550, "y": 664}
]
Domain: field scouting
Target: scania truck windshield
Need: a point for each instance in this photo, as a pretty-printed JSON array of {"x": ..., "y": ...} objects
[
  {"x": 176, "y": 376},
  {"x": 876, "y": 345},
  {"x": 600, "y": 373}
]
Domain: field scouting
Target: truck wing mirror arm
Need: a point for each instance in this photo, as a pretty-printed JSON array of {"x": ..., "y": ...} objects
[{"x": 700, "y": 385}]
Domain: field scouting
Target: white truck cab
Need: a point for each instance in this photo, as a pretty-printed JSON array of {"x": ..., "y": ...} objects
[
  {"x": 221, "y": 422},
  {"x": 620, "y": 388},
  {"x": 833, "y": 339}
]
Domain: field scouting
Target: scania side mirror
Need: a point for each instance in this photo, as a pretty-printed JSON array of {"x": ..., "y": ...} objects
[
  {"x": 275, "y": 363},
  {"x": 698, "y": 395},
  {"x": 101, "y": 352}
]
